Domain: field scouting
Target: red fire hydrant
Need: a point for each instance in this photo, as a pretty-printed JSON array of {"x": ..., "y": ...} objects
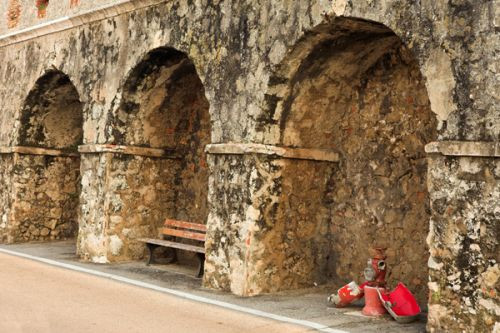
[
  {"x": 375, "y": 279},
  {"x": 376, "y": 269},
  {"x": 400, "y": 303}
]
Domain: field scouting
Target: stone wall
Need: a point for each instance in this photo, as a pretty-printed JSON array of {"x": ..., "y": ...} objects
[
  {"x": 237, "y": 50},
  {"x": 18, "y": 14},
  {"x": 6, "y": 170},
  {"x": 379, "y": 192},
  {"x": 161, "y": 107},
  {"x": 44, "y": 166},
  {"x": 464, "y": 254},
  {"x": 92, "y": 243},
  {"x": 357, "y": 91},
  {"x": 52, "y": 114},
  {"x": 228, "y": 228},
  {"x": 240, "y": 51},
  {"x": 138, "y": 194},
  {"x": 296, "y": 230},
  {"x": 45, "y": 194}
]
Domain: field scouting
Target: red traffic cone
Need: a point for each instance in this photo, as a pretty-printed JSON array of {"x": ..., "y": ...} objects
[{"x": 373, "y": 305}]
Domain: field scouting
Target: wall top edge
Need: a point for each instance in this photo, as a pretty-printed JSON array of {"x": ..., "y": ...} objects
[{"x": 68, "y": 22}]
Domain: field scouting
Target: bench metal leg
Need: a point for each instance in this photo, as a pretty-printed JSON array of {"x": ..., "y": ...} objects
[
  {"x": 151, "y": 248},
  {"x": 173, "y": 259},
  {"x": 201, "y": 267}
]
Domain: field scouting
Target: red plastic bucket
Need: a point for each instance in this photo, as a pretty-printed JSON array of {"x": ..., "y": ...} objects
[{"x": 400, "y": 303}]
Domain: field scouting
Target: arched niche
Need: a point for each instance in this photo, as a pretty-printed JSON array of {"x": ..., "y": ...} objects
[
  {"x": 353, "y": 87},
  {"x": 52, "y": 114},
  {"x": 163, "y": 107},
  {"x": 46, "y": 175}
]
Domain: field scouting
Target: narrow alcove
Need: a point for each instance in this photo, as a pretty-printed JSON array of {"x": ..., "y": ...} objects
[
  {"x": 47, "y": 173},
  {"x": 357, "y": 91},
  {"x": 163, "y": 106}
]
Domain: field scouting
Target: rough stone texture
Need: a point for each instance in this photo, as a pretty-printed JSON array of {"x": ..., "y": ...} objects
[
  {"x": 27, "y": 13},
  {"x": 52, "y": 116},
  {"x": 45, "y": 190},
  {"x": 361, "y": 93},
  {"x": 246, "y": 49},
  {"x": 6, "y": 166},
  {"x": 241, "y": 52},
  {"x": 162, "y": 105},
  {"x": 295, "y": 230},
  {"x": 285, "y": 152},
  {"x": 92, "y": 243},
  {"x": 229, "y": 230},
  {"x": 45, "y": 193},
  {"x": 464, "y": 272},
  {"x": 137, "y": 194}
]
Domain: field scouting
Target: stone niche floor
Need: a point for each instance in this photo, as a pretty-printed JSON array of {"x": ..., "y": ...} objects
[{"x": 307, "y": 304}]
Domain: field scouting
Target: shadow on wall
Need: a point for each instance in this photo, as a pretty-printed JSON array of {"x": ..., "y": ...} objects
[
  {"x": 162, "y": 106},
  {"x": 352, "y": 87},
  {"x": 47, "y": 184},
  {"x": 52, "y": 114}
]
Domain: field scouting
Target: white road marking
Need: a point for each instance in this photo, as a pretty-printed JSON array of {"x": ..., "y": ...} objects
[{"x": 185, "y": 295}]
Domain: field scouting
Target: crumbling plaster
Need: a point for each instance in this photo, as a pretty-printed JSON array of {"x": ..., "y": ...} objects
[
  {"x": 238, "y": 49},
  {"x": 463, "y": 242},
  {"x": 237, "y": 38}
]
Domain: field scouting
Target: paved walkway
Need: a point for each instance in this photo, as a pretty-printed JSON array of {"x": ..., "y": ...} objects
[
  {"x": 40, "y": 298},
  {"x": 306, "y": 307}
]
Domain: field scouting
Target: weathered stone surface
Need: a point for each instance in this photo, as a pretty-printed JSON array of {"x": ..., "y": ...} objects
[
  {"x": 363, "y": 97},
  {"x": 463, "y": 242},
  {"x": 35, "y": 151},
  {"x": 464, "y": 148},
  {"x": 156, "y": 167},
  {"x": 229, "y": 228},
  {"x": 52, "y": 114},
  {"x": 45, "y": 193},
  {"x": 6, "y": 170},
  {"x": 190, "y": 30},
  {"x": 245, "y": 53},
  {"x": 127, "y": 150},
  {"x": 286, "y": 152},
  {"x": 28, "y": 17},
  {"x": 44, "y": 184}
]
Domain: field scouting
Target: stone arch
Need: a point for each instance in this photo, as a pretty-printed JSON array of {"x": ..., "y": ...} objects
[
  {"x": 351, "y": 86},
  {"x": 52, "y": 115},
  {"x": 46, "y": 177},
  {"x": 162, "y": 118},
  {"x": 155, "y": 88}
]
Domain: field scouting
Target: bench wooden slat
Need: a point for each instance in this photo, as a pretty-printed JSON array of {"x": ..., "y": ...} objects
[
  {"x": 184, "y": 234},
  {"x": 182, "y": 229},
  {"x": 167, "y": 243},
  {"x": 185, "y": 225}
]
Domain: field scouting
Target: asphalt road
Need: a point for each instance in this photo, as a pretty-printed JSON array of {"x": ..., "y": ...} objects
[{"x": 38, "y": 298}]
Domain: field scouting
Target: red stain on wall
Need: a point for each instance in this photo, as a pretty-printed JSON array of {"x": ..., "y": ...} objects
[
  {"x": 74, "y": 3},
  {"x": 13, "y": 13},
  {"x": 41, "y": 6}
]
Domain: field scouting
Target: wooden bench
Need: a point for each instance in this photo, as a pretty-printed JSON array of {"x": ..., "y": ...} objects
[{"x": 184, "y": 230}]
